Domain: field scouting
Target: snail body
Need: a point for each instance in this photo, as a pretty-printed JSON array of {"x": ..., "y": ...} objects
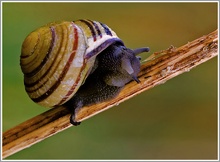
[{"x": 76, "y": 64}]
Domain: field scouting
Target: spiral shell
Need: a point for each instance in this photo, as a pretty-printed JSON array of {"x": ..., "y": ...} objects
[{"x": 57, "y": 58}]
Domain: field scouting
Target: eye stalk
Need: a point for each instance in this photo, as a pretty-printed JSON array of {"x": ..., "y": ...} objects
[{"x": 141, "y": 50}]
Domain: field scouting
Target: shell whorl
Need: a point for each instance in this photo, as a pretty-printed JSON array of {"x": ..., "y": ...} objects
[{"x": 57, "y": 58}]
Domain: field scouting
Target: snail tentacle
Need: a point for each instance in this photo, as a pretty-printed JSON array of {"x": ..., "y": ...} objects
[{"x": 141, "y": 50}]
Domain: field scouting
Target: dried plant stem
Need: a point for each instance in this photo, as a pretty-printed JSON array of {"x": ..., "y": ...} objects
[{"x": 159, "y": 68}]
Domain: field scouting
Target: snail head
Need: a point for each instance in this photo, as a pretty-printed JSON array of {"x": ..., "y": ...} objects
[
  {"x": 121, "y": 64},
  {"x": 130, "y": 62}
]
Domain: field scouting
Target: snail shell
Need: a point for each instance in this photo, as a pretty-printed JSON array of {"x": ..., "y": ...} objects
[{"x": 57, "y": 58}]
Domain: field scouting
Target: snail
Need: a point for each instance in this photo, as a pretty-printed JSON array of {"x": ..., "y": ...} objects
[{"x": 76, "y": 64}]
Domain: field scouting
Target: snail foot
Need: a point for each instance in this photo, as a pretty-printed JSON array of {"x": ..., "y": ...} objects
[{"x": 72, "y": 120}]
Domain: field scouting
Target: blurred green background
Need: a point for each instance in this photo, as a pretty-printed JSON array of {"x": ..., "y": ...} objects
[{"x": 176, "y": 120}]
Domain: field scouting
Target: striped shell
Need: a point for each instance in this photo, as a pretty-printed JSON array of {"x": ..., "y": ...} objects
[{"x": 57, "y": 58}]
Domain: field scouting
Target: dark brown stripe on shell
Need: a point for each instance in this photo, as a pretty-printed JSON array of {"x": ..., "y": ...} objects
[
  {"x": 96, "y": 28},
  {"x": 34, "y": 71},
  {"x": 65, "y": 70},
  {"x": 28, "y": 85},
  {"x": 106, "y": 28},
  {"x": 71, "y": 90},
  {"x": 91, "y": 29},
  {"x": 26, "y": 56}
]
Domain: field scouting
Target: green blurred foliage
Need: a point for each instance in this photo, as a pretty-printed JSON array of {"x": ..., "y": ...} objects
[{"x": 176, "y": 120}]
